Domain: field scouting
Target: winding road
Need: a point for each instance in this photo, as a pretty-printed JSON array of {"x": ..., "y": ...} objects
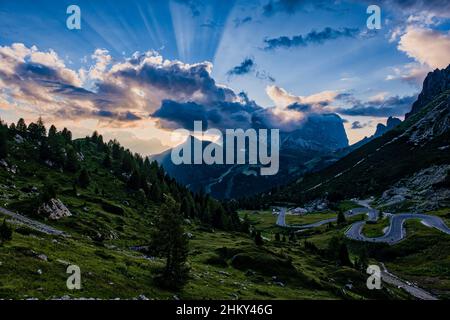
[{"x": 395, "y": 232}]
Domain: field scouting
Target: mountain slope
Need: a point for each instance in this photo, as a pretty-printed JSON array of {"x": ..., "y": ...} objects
[
  {"x": 418, "y": 143},
  {"x": 308, "y": 148}
]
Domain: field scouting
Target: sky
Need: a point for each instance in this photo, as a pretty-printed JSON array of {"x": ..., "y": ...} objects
[{"x": 138, "y": 69}]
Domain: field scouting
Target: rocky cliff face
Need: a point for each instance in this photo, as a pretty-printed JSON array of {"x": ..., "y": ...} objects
[
  {"x": 54, "y": 210},
  {"x": 434, "y": 84},
  {"x": 323, "y": 132},
  {"x": 390, "y": 124}
]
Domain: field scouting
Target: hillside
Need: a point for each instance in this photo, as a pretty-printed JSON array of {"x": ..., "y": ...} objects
[
  {"x": 307, "y": 148},
  {"x": 420, "y": 143},
  {"x": 113, "y": 201}
]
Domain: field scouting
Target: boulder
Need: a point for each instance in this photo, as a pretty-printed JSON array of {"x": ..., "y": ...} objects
[{"x": 54, "y": 210}]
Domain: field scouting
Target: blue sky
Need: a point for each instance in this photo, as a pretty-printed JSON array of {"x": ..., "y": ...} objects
[{"x": 331, "y": 66}]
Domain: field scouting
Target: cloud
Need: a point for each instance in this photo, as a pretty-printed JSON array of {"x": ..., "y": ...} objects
[
  {"x": 313, "y": 37},
  {"x": 238, "y": 22},
  {"x": 144, "y": 87},
  {"x": 193, "y": 5},
  {"x": 220, "y": 115},
  {"x": 426, "y": 46},
  {"x": 379, "y": 107},
  {"x": 123, "y": 92},
  {"x": 245, "y": 67},
  {"x": 358, "y": 125},
  {"x": 412, "y": 73},
  {"x": 211, "y": 24},
  {"x": 283, "y": 99},
  {"x": 291, "y": 6},
  {"x": 248, "y": 66}
]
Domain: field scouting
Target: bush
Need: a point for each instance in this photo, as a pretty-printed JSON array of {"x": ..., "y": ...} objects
[
  {"x": 264, "y": 263},
  {"x": 111, "y": 208},
  {"x": 5, "y": 232}
]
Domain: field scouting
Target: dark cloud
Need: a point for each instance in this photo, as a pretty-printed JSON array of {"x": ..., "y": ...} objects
[
  {"x": 221, "y": 115},
  {"x": 287, "y": 6},
  {"x": 358, "y": 125},
  {"x": 244, "y": 67},
  {"x": 392, "y": 106},
  {"x": 313, "y": 37},
  {"x": 193, "y": 5},
  {"x": 178, "y": 81},
  {"x": 302, "y": 107},
  {"x": 291, "y": 6},
  {"x": 248, "y": 66},
  {"x": 240, "y": 22}
]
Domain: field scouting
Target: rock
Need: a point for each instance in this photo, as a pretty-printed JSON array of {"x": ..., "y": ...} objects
[
  {"x": 434, "y": 84},
  {"x": 64, "y": 262},
  {"x": 49, "y": 163},
  {"x": 54, "y": 210},
  {"x": 19, "y": 139},
  {"x": 420, "y": 191},
  {"x": 42, "y": 257},
  {"x": 142, "y": 297},
  {"x": 223, "y": 273},
  {"x": 189, "y": 235},
  {"x": 175, "y": 297}
]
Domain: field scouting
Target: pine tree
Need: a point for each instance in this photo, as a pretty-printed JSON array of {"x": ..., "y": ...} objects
[
  {"x": 67, "y": 135},
  {"x": 52, "y": 132},
  {"x": 107, "y": 161},
  {"x": 84, "y": 179},
  {"x": 3, "y": 143},
  {"x": 41, "y": 130},
  {"x": 185, "y": 208},
  {"x": 21, "y": 127},
  {"x": 5, "y": 232},
  {"x": 49, "y": 192},
  {"x": 258, "y": 239},
  {"x": 134, "y": 182},
  {"x": 71, "y": 159},
  {"x": 155, "y": 192},
  {"x": 169, "y": 241},
  {"x": 245, "y": 226},
  {"x": 344, "y": 258},
  {"x": 341, "y": 217},
  {"x": 277, "y": 237}
]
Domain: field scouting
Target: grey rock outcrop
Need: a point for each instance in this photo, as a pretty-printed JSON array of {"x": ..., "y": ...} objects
[
  {"x": 434, "y": 84},
  {"x": 54, "y": 210}
]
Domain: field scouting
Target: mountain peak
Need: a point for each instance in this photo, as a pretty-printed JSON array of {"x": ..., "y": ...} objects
[{"x": 434, "y": 84}]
